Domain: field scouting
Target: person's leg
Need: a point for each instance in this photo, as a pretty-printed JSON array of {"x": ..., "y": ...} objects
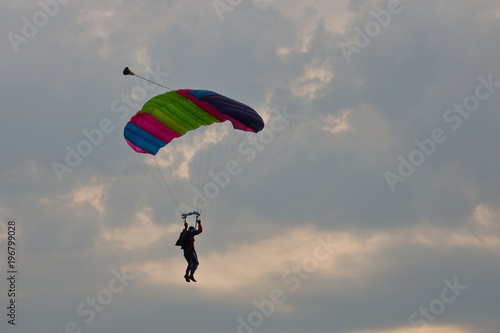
[
  {"x": 194, "y": 265},
  {"x": 188, "y": 268}
]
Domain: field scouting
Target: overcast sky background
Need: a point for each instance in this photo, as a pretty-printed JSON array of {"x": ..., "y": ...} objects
[{"x": 329, "y": 229}]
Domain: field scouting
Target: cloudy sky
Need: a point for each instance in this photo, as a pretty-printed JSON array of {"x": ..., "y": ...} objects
[{"x": 371, "y": 204}]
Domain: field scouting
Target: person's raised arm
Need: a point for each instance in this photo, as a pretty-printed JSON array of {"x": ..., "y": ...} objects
[{"x": 200, "y": 228}]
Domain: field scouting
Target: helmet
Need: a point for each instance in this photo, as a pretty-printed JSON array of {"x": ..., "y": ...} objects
[{"x": 191, "y": 228}]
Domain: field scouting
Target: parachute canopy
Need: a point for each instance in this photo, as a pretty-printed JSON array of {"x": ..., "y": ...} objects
[
  {"x": 173, "y": 114},
  {"x": 189, "y": 140}
]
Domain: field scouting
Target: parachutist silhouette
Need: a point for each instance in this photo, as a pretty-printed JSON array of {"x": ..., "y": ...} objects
[{"x": 186, "y": 241}]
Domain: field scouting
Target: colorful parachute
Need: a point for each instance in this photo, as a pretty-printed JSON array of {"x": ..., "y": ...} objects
[
  {"x": 171, "y": 115},
  {"x": 189, "y": 141}
]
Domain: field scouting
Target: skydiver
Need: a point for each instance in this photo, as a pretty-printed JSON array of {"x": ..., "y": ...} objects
[{"x": 189, "y": 250}]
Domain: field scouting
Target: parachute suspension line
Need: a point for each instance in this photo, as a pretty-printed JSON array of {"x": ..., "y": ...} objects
[
  {"x": 188, "y": 149},
  {"x": 177, "y": 175},
  {"x": 199, "y": 166},
  {"x": 200, "y": 163},
  {"x": 227, "y": 153},
  {"x": 195, "y": 169},
  {"x": 213, "y": 158},
  {"x": 127, "y": 71},
  {"x": 166, "y": 189},
  {"x": 176, "y": 172}
]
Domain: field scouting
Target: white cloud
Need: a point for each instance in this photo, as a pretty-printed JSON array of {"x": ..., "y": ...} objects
[
  {"x": 306, "y": 15},
  {"x": 313, "y": 81},
  {"x": 91, "y": 194},
  {"x": 138, "y": 234},
  {"x": 350, "y": 263},
  {"x": 82, "y": 197},
  {"x": 336, "y": 124}
]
